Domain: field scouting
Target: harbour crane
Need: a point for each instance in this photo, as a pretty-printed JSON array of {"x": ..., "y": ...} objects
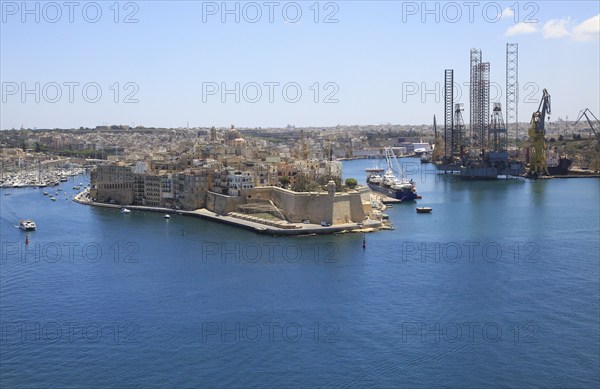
[
  {"x": 538, "y": 164},
  {"x": 584, "y": 113}
]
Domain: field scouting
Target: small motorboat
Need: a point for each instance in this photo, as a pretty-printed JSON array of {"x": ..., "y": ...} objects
[
  {"x": 424, "y": 209},
  {"x": 125, "y": 210},
  {"x": 27, "y": 225},
  {"x": 52, "y": 198},
  {"x": 167, "y": 216}
]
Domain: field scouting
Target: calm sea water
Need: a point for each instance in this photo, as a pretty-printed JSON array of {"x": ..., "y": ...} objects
[{"x": 499, "y": 286}]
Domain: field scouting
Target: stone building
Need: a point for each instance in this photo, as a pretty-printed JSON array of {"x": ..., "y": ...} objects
[
  {"x": 238, "y": 181},
  {"x": 113, "y": 184},
  {"x": 151, "y": 190},
  {"x": 192, "y": 187},
  {"x": 119, "y": 184}
]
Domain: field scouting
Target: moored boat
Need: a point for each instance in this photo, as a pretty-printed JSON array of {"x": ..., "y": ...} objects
[
  {"x": 424, "y": 209},
  {"x": 386, "y": 182}
]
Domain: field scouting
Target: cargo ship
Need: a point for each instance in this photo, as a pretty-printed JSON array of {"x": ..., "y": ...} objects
[{"x": 386, "y": 181}]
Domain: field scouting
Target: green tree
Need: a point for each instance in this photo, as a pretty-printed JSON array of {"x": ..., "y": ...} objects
[
  {"x": 351, "y": 183},
  {"x": 305, "y": 184},
  {"x": 284, "y": 181},
  {"x": 301, "y": 184},
  {"x": 323, "y": 180}
]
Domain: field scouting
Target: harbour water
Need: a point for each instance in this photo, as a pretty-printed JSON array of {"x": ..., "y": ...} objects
[{"x": 498, "y": 286}]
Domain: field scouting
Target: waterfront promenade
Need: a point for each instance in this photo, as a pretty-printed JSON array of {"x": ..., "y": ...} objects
[{"x": 249, "y": 223}]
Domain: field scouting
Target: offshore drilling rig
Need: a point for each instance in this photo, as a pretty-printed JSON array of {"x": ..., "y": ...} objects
[
  {"x": 481, "y": 152},
  {"x": 489, "y": 147}
]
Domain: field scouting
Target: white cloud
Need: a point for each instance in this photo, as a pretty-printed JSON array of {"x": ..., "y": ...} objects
[
  {"x": 507, "y": 13},
  {"x": 520, "y": 29},
  {"x": 588, "y": 29},
  {"x": 556, "y": 28}
]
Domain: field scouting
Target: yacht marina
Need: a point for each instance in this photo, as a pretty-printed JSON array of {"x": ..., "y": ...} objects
[{"x": 34, "y": 178}]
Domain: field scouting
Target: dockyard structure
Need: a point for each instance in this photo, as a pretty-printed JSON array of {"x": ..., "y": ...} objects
[
  {"x": 448, "y": 113},
  {"x": 512, "y": 89},
  {"x": 498, "y": 135},
  {"x": 481, "y": 153},
  {"x": 480, "y": 102}
]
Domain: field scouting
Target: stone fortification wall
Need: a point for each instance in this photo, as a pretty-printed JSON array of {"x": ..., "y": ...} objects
[
  {"x": 222, "y": 204},
  {"x": 313, "y": 206}
]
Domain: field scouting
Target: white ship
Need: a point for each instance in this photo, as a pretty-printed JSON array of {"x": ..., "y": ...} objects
[{"x": 27, "y": 225}]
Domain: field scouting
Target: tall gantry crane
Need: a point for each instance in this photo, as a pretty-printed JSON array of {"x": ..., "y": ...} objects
[
  {"x": 584, "y": 113},
  {"x": 537, "y": 132}
]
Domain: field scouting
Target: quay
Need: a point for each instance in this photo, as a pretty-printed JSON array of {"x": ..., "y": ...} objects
[
  {"x": 576, "y": 173},
  {"x": 247, "y": 222}
]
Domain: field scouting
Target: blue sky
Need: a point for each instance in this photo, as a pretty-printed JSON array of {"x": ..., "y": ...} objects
[{"x": 369, "y": 65}]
